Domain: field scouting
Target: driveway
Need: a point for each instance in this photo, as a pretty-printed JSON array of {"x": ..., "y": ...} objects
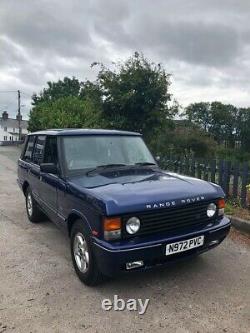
[{"x": 39, "y": 291}]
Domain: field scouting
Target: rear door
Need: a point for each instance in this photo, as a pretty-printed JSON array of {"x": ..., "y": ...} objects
[
  {"x": 37, "y": 159},
  {"x": 24, "y": 162}
]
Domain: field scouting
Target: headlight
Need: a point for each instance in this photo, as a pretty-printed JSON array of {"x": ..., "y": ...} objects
[
  {"x": 211, "y": 210},
  {"x": 133, "y": 225}
]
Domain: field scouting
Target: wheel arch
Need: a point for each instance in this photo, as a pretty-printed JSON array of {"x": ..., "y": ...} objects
[
  {"x": 25, "y": 186},
  {"x": 75, "y": 216}
]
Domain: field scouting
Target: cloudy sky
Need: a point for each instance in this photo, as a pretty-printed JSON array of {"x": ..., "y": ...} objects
[{"x": 204, "y": 44}]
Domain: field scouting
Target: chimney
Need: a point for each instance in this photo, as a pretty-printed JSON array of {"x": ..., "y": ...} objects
[
  {"x": 5, "y": 115},
  {"x": 17, "y": 117}
]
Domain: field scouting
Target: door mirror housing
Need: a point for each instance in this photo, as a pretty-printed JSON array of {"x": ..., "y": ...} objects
[{"x": 49, "y": 168}]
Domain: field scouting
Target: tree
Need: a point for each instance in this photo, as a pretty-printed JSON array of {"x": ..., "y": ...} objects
[
  {"x": 132, "y": 96},
  {"x": 199, "y": 113},
  {"x": 65, "y": 112},
  {"x": 222, "y": 124},
  {"x": 243, "y": 133},
  {"x": 135, "y": 95},
  {"x": 216, "y": 118},
  {"x": 191, "y": 140},
  {"x": 59, "y": 89}
]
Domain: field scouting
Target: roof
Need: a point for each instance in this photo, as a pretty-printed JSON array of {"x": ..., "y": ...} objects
[
  {"x": 80, "y": 131},
  {"x": 10, "y": 122}
]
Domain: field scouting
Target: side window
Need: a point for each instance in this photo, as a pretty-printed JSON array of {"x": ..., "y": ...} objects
[
  {"x": 38, "y": 149},
  {"x": 27, "y": 156},
  {"x": 50, "y": 155}
]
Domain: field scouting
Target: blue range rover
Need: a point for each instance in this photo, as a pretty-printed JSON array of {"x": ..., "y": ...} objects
[{"x": 120, "y": 210}]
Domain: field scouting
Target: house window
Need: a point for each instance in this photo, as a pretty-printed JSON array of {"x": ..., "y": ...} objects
[
  {"x": 5, "y": 138},
  {"x": 5, "y": 129},
  {"x": 13, "y": 129},
  {"x": 10, "y": 138}
]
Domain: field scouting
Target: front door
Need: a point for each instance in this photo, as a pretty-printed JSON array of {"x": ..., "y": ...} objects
[{"x": 48, "y": 181}]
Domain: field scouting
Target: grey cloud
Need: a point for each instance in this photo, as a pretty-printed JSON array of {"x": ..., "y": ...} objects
[
  {"x": 46, "y": 25},
  {"x": 197, "y": 43},
  {"x": 204, "y": 44}
]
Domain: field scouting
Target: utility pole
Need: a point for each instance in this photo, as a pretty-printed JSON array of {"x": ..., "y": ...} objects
[{"x": 19, "y": 114}]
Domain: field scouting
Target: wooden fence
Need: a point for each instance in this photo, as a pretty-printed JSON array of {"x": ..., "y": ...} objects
[{"x": 232, "y": 177}]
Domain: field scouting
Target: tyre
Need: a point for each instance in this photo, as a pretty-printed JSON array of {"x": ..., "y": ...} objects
[
  {"x": 82, "y": 254},
  {"x": 34, "y": 213}
]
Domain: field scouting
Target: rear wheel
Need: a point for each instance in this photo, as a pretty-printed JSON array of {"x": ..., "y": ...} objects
[
  {"x": 34, "y": 213},
  {"x": 83, "y": 256}
]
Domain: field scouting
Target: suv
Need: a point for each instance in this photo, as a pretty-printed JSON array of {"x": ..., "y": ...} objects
[{"x": 120, "y": 210}]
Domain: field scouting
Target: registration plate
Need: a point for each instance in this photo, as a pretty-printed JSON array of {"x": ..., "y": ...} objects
[{"x": 184, "y": 245}]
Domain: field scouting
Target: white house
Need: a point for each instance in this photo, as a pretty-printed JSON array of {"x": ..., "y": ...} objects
[{"x": 9, "y": 128}]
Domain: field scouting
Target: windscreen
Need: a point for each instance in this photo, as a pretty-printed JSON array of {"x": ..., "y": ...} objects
[{"x": 83, "y": 152}]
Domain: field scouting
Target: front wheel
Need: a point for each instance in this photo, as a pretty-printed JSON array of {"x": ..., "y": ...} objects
[{"x": 82, "y": 255}]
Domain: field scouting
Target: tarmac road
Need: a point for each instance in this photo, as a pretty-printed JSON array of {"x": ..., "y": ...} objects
[{"x": 39, "y": 291}]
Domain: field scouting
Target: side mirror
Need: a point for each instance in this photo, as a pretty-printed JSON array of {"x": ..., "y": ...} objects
[
  {"x": 157, "y": 158},
  {"x": 49, "y": 168}
]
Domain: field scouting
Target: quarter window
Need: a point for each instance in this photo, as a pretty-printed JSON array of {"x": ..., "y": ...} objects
[{"x": 38, "y": 149}]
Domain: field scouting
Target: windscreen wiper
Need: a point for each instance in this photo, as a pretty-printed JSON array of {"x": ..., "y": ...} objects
[
  {"x": 145, "y": 164},
  {"x": 105, "y": 166}
]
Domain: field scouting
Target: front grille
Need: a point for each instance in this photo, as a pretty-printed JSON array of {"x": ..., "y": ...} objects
[{"x": 174, "y": 219}]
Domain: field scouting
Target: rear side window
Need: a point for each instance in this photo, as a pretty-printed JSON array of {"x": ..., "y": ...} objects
[
  {"x": 27, "y": 156},
  {"x": 39, "y": 149}
]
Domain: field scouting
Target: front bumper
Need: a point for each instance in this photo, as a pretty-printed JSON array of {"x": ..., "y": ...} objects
[{"x": 112, "y": 257}]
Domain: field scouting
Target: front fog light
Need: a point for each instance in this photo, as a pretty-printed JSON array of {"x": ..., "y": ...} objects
[
  {"x": 133, "y": 225},
  {"x": 211, "y": 210}
]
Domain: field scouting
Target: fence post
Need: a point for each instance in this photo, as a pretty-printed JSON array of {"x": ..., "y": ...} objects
[
  {"x": 180, "y": 165},
  {"x": 221, "y": 169},
  {"x": 236, "y": 180},
  {"x": 198, "y": 168},
  {"x": 213, "y": 170},
  {"x": 193, "y": 167},
  {"x": 244, "y": 177},
  {"x": 227, "y": 174},
  {"x": 206, "y": 170},
  {"x": 174, "y": 163},
  {"x": 187, "y": 166}
]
